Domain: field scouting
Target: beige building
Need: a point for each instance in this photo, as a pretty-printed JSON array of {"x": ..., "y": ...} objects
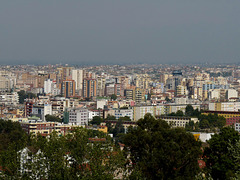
[
  {"x": 4, "y": 84},
  {"x": 175, "y": 121}
]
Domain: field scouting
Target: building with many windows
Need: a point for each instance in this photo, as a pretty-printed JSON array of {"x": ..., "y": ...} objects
[
  {"x": 78, "y": 116},
  {"x": 68, "y": 88},
  {"x": 89, "y": 88},
  {"x": 175, "y": 121}
]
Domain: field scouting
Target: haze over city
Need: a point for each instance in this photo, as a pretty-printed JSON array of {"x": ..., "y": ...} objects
[
  {"x": 119, "y": 32},
  {"x": 99, "y": 89}
]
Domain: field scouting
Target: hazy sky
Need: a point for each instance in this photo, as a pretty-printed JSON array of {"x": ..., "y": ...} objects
[{"x": 119, "y": 31}]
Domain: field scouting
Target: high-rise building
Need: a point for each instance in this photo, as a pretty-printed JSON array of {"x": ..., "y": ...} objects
[
  {"x": 77, "y": 76},
  {"x": 89, "y": 88},
  {"x": 28, "y": 108},
  {"x": 68, "y": 88},
  {"x": 48, "y": 86},
  {"x": 4, "y": 84},
  {"x": 139, "y": 95}
]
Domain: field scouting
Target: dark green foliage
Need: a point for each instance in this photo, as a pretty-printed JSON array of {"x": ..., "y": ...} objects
[
  {"x": 118, "y": 128},
  {"x": 159, "y": 152},
  {"x": 125, "y": 118},
  {"x": 83, "y": 154},
  {"x": 211, "y": 121},
  {"x": 23, "y": 95},
  {"x": 167, "y": 99},
  {"x": 219, "y": 160},
  {"x": 113, "y": 96},
  {"x": 12, "y": 139},
  {"x": 178, "y": 113},
  {"x": 109, "y": 117},
  {"x": 204, "y": 124},
  {"x": 52, "y": 118},
  {"x": 11, "y": 132},
  {"x": 124, "y": 107},
  {"x": 189, "y": 110},
  {"x": 190, "y": 126},
  {"x": 96, "y": 120}
]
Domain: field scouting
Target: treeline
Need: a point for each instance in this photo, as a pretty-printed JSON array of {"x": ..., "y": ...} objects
[
  {"x": 23, "y": 95},
  {"x": 210, "y": 122},
  {"x": 152, "y": 150}
]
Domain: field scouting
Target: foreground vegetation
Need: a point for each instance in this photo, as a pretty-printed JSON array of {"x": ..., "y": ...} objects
[{"x": 152, "y": 150}]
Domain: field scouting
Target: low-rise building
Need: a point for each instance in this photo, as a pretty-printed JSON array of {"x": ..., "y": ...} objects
[
  {"x": 45, "y": 128},
  {"x": 226, "y": 114},
  {"x": 178, "y": 121}
]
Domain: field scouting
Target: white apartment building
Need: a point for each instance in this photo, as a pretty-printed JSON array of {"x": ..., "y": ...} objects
[
  {"x": 78, "y": 116},
  {"x": 9, "y": 98},
  {"x": 77, "y": 76},
  {"x": 231, "y": 93},
  {"x": 50, "y": 87},
  {"x": 140, "y": 111},
  {"x": 93, "y": 113},
  {"x": 123, "y": 112}
]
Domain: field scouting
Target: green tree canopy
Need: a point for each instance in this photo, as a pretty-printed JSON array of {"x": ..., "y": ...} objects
[
  {"x": 178, "y": 113},
  {"x": 96, "y": 120},
  {"x": 211, "y": 121},
  {"x": 23, "y": 95},
  {"x": 12, "y": 139},
  {"x": 160, "y": 152},
  {"x": 113, "y": 96},
  {"x": 110, "y": 117},
  {"x": 78, "y": 155},
  {"x": 52, "y": 118},
  {"x": 125, "y": 118},
  {"x": 189, "y": 110},
  {"x": 219, "y": 160}
]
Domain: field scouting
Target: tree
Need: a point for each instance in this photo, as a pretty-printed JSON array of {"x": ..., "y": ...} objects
[
  {"x": 113, "y": 96},
  {"x": 190, "y": 126},
  {"x": 78, "y": 155},
  {"x": 12, "y": 139},
  {"x": 196, "y": 113},
  {"x": 212, "y": 121},
  {"x": 118, "y": 128},
  {"x": 52, "y": 118},
  {"x": 189, "y": 110},
  {"x": 160, "y": 152},
  {"x": 96, "y": 120},
  {"x": 234, "y": 150},
  {"x": 167, "y": 99},
  {"x": 125, "y": 118},
  {"x": 110, "y": 117},
  {"x": 219, "y": 160},
  {"x": 23, "y": 95},
  {"x": 179, "y": 113},
  {"x": 204, "y": 124},
  {"x": 123, "y": 107}
]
